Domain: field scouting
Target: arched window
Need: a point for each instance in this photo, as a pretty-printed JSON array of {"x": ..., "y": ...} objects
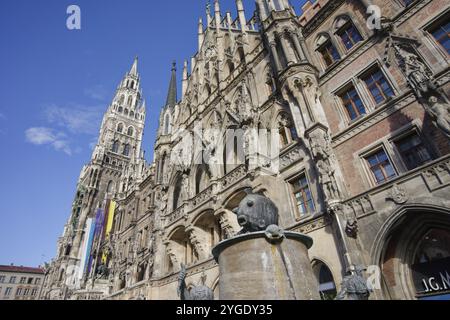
[
  {"x": 132, "y": 84},
  {"x": 241, "y": 54},
  {"x": 126, "y": 150},
  {"x": 230, "y": 66},
  {"x": 115, "y": 147},
  {"x": 327, "y": 287},
  {"x": 130, "y": 101},
  {"x": 327, "y": 50},
  {"x": 202, "y": 179},
  {"x": 120, "y": 109},
  {"x": 177, "y": 194},
  {"x": 120, "y": 127},
  {"x": 122, "y": 99},
  {"x": 347, "y": 32},
  {"x": 130, "y": 131},
  {"x": 126, "y": 112},
  {"x": 110, "y": 187}
]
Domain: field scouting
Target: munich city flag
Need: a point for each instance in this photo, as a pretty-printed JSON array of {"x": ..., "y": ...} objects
[{"x": 110, "y": 218}]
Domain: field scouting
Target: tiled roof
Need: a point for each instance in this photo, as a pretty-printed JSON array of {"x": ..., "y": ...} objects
[{"x": 21, "y": 269}]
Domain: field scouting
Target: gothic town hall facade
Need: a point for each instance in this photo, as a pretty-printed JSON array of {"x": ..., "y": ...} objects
[{"x": 361, "y": 110}]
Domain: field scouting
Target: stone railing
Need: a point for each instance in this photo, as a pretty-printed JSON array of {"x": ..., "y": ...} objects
[
  {"x": 175, "y": 215},
  {"x": 234, "y": 176},
  {"x": 202, "y": 197},
  {"x": 291, "y": 156},
  {"x": 359, "y": 206}
]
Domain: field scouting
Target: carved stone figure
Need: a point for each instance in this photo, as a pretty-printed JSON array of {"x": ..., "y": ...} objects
[
  {"x": 441, "y": 114},
  {"x": 418, "y": 74},
  {"x": 102, "y": 271},
  {"x": 226, "y": 226},
  {"x": 197, "y": 242},
  {"x": 420, "y": 78},
  {"x": 351, "y": 228},
  {"x": 274, "y": 233},
  {"x": 354, "y": 286},
  {"x": 326, "y": 173},
  {"x": 172, "y": 256},
  {"x": 163, "y": 196},
  {"x": 256, "y": 213},
  {"x": 398, "y": 195},
  {"x": 199, "y": 292}
]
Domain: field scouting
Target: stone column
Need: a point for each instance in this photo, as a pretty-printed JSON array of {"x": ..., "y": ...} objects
[{"x": 273, "y": 50}]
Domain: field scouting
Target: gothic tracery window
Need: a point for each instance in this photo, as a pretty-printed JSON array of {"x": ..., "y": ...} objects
[
  {"x": 130, "y": 131},
  {"x": 115, "y": 147}
]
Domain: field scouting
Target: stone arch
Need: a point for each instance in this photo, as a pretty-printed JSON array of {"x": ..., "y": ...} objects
[
  {"x": 120, "y": 127},
  {"x": 326, "y": 279},
  {"x": 202, "y": 178},
  {"x": 395, "y": 245}
]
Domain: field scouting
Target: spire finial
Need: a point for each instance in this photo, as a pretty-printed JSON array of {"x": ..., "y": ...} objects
[
  {"x": 133, "y": 70},
  {"x": 172, "y": 94}
]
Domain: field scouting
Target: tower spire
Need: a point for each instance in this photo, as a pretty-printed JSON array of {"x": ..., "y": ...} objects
[
  {"x": 133, "y": 70},
  {"x": 172, "y": 94}
]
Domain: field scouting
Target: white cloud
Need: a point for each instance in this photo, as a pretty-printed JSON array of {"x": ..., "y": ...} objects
[
  {"x": 78, "y": 119},
  {"x": 45, "y": 136}
]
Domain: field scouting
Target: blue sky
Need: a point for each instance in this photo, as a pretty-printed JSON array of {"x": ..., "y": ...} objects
[{"x": 54, "y": 88}]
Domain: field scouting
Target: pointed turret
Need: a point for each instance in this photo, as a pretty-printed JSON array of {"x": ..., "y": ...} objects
[
  {"x": 185, "y": 78},
  {"x": 172, "y": 94},
  {"x": 217, "y": 15},
  {"x": 134, "y": 70},
  {"x": 201, "y": 35},
  {"x": 241, "y": 15}
]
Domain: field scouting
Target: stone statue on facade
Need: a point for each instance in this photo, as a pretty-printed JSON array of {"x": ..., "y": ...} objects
[
  {"x": 256, "y": 213},
  {"x": 199, "y": 292},
  {"x": 440, "y": 111},
  {"x": 420, "y": 78},
  {"x": 354, "y": 286},
  {"x": 102, "y": 271},
  {"x": 322, "y": 153}
]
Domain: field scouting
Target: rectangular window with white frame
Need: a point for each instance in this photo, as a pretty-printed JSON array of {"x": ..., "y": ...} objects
[
  {"x": 380, "y": 166},
  {"x": 352, "y": 103},
  {"x": 378, "y": 85},
  {"x": 302, "y": 195}
]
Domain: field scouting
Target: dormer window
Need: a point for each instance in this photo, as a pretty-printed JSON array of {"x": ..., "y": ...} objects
[
  {"x": 348, "y": 33},
  {"x": 327, "y": 50}
]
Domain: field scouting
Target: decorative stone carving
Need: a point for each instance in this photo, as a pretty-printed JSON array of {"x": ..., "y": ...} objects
[
  {"x": 199, "y": 292},
  {"x": 439, "y": 108},
  {"x": 256, "y": 213},
  {"x": 226, "y": 226},
  {"x": 274, "y": 234},
  {"x": 172, "y": 256},
  {"x": 354, "y": 286},
  {"x": 398, "y": 195},
  {"x": 198, "y": 241},
  {"x": 351, "y": 228},
  {"x": 421, "y": 80},
  {"x": 323, "y": 155}
]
